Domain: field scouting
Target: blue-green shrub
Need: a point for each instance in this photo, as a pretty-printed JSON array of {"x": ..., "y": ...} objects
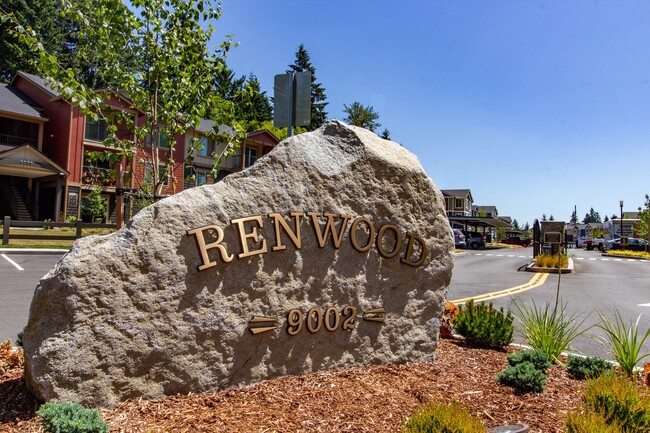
[{"x": 71, "y": 418}]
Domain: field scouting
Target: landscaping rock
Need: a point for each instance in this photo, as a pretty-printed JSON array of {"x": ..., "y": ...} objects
[{"x": 206, "y": 289}]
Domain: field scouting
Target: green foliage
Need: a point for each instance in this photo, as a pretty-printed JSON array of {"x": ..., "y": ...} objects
[
  {"x": 552, "y": 260},
  {"x": 484, "y": 326},
  {"x": 303, "y": 64},
  {"x": 536, "y": 357},
  {"x": 156, "y": 52},
  {"x": 71, "y": 418},
  {"x": 19, "y": 339},
  {"x": 589, "y": 422},
  {"x": 580, "y": 367},
  {"x": 591, "y": 217},
  {"x": 549, "y": 329},
  {"x": 385, "y": 134},
  {"x": 443, "y": 418},
  {"x": 94, "y": 205},
  {"x": 71, "y": 219},
  {"x": 620, "y": 401},
  {"x": 523, "y": 377},
  {"x": 360, "y": 115},
  {"x": 624, "y": 342}
]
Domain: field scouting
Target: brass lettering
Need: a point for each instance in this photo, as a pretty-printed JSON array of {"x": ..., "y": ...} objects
[
  {"x": 203, "y": 247},
  {"x": 294, "y": 236},
  {"x": 254, "y": 235},
  {"x": 353, "y": 234},
  {"x": 329, "y": 227},
  {"x": 409, "y": 250},
  {"x": 380, "y": 241}
]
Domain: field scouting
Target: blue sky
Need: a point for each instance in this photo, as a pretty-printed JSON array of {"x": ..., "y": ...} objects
[{"x": 534, "y": 106}]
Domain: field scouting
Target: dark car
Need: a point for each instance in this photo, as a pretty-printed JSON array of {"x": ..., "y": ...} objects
[
  {"x": 475, "y": 240},
  {"x": 459, "y": 238}
]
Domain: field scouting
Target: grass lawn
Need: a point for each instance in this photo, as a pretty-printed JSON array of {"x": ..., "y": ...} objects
[{"x": 49, "y": 243}]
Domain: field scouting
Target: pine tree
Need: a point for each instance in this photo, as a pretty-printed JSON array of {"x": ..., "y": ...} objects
[
  {"x": 360, "y": 115},
  {"x": 303, "y": 64},
  {"x": 43, "y": 17},
  {"x": 574, "y": 218},
  {"x": 591, "y": 217},
  {"x": 252, "y": 106},
  {"x": 226, "y": 85}
]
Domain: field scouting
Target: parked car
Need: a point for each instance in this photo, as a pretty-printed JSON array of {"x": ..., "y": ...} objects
[
  {"x": 595, "y": 243},
  {"x": 475, "y": 240},
  {"x": 459, "y": 238},
  {"x": 633, "y": 244},
  {"x": 516, "y": 240}
]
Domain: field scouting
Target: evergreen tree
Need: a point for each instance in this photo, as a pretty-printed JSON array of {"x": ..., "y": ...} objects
[
  {"x": 252, "y": 106},
  {"x": 574, "y": 218},
  {"x": 544, "y": 217},
  {"x": 303, "y": 64},
  {"x": 591, "y": 217},
  {"x": 359, "y": 115},
  {"x": 385, "y": 134},
  {"x": 515, "y": 225},
  {"x": 43, "y": 17},
  {"x": 226, "y": 85},
  {"x": 551, "y": 218},
  {"x": 527, "y": 226},
  {"x": 606, "y": 218}
]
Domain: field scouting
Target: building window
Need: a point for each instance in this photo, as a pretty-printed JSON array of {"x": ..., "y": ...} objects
[
  {"x": 205, "y": 145},
  {"x": 251, "y": 156},
  {"x": 162, "y": 174},
  {"x": 459, "y": 203},
  {"x": 96, "y": 130}
]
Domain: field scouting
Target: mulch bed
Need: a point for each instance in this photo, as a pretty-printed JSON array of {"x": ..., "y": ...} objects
[{"x": 368, "y": 399}]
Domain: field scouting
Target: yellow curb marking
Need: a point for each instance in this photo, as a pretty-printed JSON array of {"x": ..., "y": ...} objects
[{"x": 537, "y": 280}]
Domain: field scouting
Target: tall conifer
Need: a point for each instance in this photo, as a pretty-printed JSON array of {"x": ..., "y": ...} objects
[{"x": 303, "y": 64}]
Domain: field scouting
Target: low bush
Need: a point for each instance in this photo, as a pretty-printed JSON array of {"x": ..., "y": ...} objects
[
  {"x": 484, "y": 326},
  {"x": 443, "y": 418},
  {"x": 523, "y": 377},
  {"x": 588, "y": 422},
  {"x": 620, "y": 401},
  {"x": 582, "y": 368},
  {"x": 552, "y": 261},
  {"x": 71, "y": 418},
  {"x": 537, "y": 357}
]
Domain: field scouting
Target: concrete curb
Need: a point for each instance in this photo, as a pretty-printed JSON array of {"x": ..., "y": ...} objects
[
  {"x": 32, "y": 251},
  {"x": 620, "y": 256},
  {"x": 568, "y": 270}
]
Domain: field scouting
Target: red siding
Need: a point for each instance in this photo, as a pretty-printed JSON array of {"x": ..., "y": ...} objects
[{"x": 56, "y": 134}]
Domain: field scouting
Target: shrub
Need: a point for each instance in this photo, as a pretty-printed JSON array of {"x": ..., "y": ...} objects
[
  {"x": 619, "y": 400},
  {"x": 552, "y": 261},
  {"x": 71, "y": 418},
  {"x": 71, "y": 219},
  {"x": 523, "y": 377},
  {"x": 484, "y": 326},
  {"x": 443, "y": 418},
  {"x": 588, "y": 422},
  {"x": 549, "y": 329},
  {"x": 536, "y": 357},
  {"x": 623, "y": 341},
  {"x": 582, "y": 368}
]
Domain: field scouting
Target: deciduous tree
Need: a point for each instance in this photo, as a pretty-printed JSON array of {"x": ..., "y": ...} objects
[{"x": 172, "y": 81}]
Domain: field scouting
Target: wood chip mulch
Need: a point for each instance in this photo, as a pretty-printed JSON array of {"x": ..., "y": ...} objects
[{"x": 369, "y": 399}]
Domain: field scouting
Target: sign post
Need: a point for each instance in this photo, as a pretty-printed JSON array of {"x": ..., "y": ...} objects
[{"x": 292, "y": 99}]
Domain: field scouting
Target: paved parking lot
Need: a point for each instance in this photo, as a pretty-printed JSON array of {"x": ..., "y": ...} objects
[{"x": 19, "y": 275}]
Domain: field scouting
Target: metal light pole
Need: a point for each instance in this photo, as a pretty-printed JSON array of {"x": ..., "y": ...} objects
[{"x": 621, "y": 235}]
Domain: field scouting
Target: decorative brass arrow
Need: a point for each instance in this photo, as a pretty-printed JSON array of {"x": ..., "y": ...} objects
[
  {"x": 260, "y": 329},
  {"x": 375, "y": 315}
]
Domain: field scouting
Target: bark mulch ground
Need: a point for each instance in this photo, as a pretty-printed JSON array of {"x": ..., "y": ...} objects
[{"x": 369, "y": 399}]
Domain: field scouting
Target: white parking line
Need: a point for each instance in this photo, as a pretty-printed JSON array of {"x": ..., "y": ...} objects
[
  {"x": 592, "y": 258},
  {"x": 4, "y": 256}
]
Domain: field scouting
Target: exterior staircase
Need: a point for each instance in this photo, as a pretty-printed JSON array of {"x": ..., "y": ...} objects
[{"x": 14, "y": 204}]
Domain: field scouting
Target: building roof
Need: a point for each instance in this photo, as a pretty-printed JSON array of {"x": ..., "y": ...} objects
[
  {"x": 456, "y": 192},
  {"x": 40, "y": 82},
  {"x": 487, "y": 209},
  {"x": 14, "y": 101}
]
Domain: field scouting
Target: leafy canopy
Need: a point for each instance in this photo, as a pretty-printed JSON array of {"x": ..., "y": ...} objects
[
  {"x": 157, "y": 55},
  {"x": 360, "y": 115}
]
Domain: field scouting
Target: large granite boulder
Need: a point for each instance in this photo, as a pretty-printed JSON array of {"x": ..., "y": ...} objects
[{"x": 332, "y": 251}]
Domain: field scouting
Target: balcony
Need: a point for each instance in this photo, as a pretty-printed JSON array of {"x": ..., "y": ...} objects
[
  {"x": 98, "y": 176},
  {"x": 12, "y": 140},
  {"x": 234, "y": 162}
]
